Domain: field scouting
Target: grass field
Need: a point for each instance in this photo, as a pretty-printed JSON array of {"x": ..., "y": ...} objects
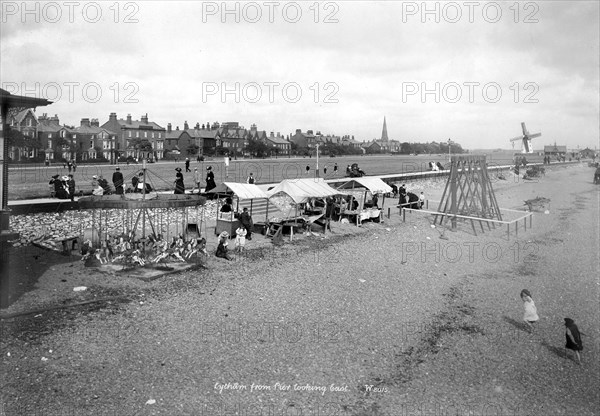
[{"x": 31, "y": 181}]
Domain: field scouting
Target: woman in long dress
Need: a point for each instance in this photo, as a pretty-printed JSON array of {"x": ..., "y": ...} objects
[
  {"x": 210, "y": 179},
  {"x": 179, "y": 186}
]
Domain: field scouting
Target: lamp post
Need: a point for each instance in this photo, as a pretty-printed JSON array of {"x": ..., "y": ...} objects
[
  {"x": 449, "y": 143},
  {"x": 317, "y": 160}
]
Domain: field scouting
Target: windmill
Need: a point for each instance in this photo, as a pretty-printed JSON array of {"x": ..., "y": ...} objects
[{"x": 525, "y": 140}]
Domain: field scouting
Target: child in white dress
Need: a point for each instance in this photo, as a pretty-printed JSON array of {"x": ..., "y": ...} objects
[
  {"x": 530, "y": 316},
  {"x": 240, "y": 239}
]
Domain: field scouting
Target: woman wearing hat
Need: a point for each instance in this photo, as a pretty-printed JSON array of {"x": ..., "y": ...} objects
[
  {"x": 179, "y": 186},
  {"x": 210, "y": 179}
]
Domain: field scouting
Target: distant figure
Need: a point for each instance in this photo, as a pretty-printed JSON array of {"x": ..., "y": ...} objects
[
  {"x": 335, "y": 169},
  {"x": 227, "y": 205},
  {"x": 71, "y": 186},
  {"x": 117, "y": 180},
  {"x": 187, "y": 164},
  {"x": 250, "y": 179},
  {"x": 104, "y": 184},
  {"x": 197, "y": 179},
  {"x": 97, "y": 189},
  {"x": 70, "y": 165},
  {"x": 573, "y": 338},
  {"x": 179, "y": 186},
  {"x": 74, "y": 166},
  {"x": 210, "y": 179},
  {"x": 439, "y": 166},
  {"x": 325, "y": 171},
  {"x": 530, "y": 316},
  {"x": 247, "y": 222},
  {"x": 421, "y": 200},
  {"x": 307, "y": 169}
]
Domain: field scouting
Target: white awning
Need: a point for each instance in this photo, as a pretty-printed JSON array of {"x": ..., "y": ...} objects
[
  {"x": 241, "y": 190},
  {"x": 372, "y": 183},
  {"x": 302, "y": 189}
]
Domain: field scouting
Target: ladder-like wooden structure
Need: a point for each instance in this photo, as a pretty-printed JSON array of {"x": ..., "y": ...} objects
[{"x": 468, "y": 194}]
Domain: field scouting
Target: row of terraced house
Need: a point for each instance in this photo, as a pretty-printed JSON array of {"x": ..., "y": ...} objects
[{"x": 44, "y": 138}]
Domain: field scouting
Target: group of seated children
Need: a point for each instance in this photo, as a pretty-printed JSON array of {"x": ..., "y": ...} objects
[{"x": 127, "y": 249}]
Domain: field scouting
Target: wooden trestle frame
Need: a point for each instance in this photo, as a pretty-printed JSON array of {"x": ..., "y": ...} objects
[{"x": 468, "y": 193}]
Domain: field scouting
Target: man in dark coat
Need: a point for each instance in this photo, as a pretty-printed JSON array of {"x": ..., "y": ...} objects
[
  {"x": 246, "y": 220},
  {"x": 117, "y": 180},
  {"x": 71, "y": 186}
]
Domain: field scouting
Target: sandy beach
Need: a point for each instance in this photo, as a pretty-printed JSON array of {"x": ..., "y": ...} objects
[{"x": 386, "y": 319}]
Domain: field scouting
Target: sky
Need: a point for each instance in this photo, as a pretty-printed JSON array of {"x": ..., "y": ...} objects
[{"x": 468, "y": 71}]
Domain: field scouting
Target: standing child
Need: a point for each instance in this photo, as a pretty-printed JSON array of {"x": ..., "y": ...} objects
[
  {"x": 240, "y": 239},
  {"x": 530, "y": 317},
  {"x": 573, "y": 337}
]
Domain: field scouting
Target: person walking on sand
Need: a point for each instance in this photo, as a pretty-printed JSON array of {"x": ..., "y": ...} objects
[
  {"x": 573, "y": 337},
  {"x": 530, "y": 316}
]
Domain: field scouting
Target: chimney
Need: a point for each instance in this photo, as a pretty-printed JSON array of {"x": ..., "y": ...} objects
[
  {"x": 169, "y": 128},
  {"x": 177, "y": 129},
  {"x": 185, "y": 125},
  {"x": 128, "y": 118},
  {"x": 203, "y": 127},
  {"x": 95, "y": 122},
  {"x": 112, "y": 117},
  {"x": 85, "y": 122},
  {"x": 54, "y": 119},
  {"x": 198, "y": 126},
  {"x": 298, "y": 131},
  {"x": 145, "y": 118},
  {"x": 309, "y": 132}
]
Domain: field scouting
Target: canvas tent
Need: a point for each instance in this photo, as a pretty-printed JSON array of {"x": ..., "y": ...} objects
[{"x": 359, "y": 188}]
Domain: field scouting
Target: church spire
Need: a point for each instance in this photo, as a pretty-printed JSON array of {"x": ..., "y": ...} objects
[{"x": 384, "y": 136}]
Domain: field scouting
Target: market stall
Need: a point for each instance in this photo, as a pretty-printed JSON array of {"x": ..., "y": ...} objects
[
  {"x": 297, "y": 199},
  {"x": 240, "y": 194},
  {"x": 364, "y": 196}
]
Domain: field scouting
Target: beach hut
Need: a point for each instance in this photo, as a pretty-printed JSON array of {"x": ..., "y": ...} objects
[{"x": 362, "y": 191}]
